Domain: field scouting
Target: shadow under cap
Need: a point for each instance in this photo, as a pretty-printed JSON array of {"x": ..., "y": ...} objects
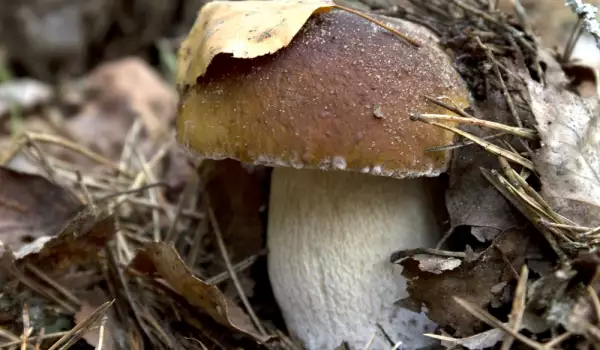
[{"x": 338, "y": 97}]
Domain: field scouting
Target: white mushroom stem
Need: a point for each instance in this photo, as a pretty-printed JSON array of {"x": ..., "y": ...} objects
[{"x": 330, "y": 236}]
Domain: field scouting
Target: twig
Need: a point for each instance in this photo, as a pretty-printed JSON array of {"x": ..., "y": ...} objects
[
  {"x": 518, "y": 308},
  {"x": 490, "y": 320},
  {"x": 463, "y": 143},
  {"x": 27, "y": 329},
  {"x": 40, "y": 338},
  {"x": 35, "y": 286},
  {"x": 173, "y": 233},
  {"x": 152, "y": 194},
  {"x": 230, "y": 269},
  {"x": 381, "y": 24},
  {"x": 595, "y": 302},
  {"x": 238, "y": 267},
  {"x": 37, "y": 338},
  {"x": 573, "y": 38},
  {"x": 516, "y": 158},
  {"x": 86, "y": 192},
  {"x": 452, "y": 108},
  {"x": 41, "y": 275},
  {"x": 101, "y": 335},
  {"x": 486, "y": 16},
  {"x": 57, "y": 140},
  {"x": 521, "y": 132},
  {"x": 85, "y": 324},
  {"x": 587, "y": 13},
  {"x": 401, "y": 254}
]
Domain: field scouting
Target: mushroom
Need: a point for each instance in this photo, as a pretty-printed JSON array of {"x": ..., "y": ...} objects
[{"x": 351, "y": 178}]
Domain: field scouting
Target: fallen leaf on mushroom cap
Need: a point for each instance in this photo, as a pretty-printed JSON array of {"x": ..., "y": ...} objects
[
  {"x": 472, "y": 280},
  {"x": 569, "y": 159},
  {"x": 31, "y": 206},
  {"x": 162, "y": 259},
  {"x": 245, "y": 30}
]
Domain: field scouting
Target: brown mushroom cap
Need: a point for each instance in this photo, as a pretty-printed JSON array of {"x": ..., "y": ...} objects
[{"x": 338, "y": 97}]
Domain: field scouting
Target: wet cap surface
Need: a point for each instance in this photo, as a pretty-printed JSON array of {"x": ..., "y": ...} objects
[{"x": 338, "y": 97}]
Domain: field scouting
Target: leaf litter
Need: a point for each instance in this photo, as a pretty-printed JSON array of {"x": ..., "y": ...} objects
[
  {"x": 524, "y": 274},
  {"x": 551, "y": 182}
]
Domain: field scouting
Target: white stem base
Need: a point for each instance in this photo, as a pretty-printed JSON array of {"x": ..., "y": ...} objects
[{"x": 330, "y": 236}]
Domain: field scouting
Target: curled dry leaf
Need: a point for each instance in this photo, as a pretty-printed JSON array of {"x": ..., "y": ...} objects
[
  {"x": 569, "y": 159},
  {"x": 162, "y": 259},
  {"x": 31, "y": 207},
  {"x": 246, "y": 30},
  {"x": 78, "y": 241},
  {"x": 472, "y": 280}
]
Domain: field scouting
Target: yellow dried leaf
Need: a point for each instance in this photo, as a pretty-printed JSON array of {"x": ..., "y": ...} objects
[
  {"x": 245, "y": 29},
  {"x": 161, "y": 258}
]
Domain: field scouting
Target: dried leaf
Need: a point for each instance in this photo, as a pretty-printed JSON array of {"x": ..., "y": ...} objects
[
  {"x": 470, "y": 199},
  {"x": 31, "y": 207},
  {"x": 473, "y": 281},
  {"x": 436, "y": 264},
  {"x": 77, "y": 242},
  {"x": 569, "y": 159},
  {"x": 163, "y": 259},
  {"x": 244, "y": 29},
  {"x": 561, "y": 297}
]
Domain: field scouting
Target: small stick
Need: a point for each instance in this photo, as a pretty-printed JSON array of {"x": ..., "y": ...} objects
[
  {"x": 490, "y": 320},
  {"x": 573, "y": 38},
  {"x": 173, "y": 233},
  {"x": 463, "y": 143},
  {"x": 37, "y": 338},
  {"x": 443, "y": 104},
  {"x": 498, "y": 151},
  {"x": 101, "y": 335},
  {"x": 595, "y": 301},
  {"x": 75, "y": 333},
  {"x": 86, "y": 192},
  {"x": 41, "y": 275},
  {"x": 234, "y": 278},
  {"x": 57, "y": 140},
  {"x": 590, "y": 232},
  {"x": 381, "y": 24},
  {"x": 401, "y": 254},
  {"x": 241, "y": 266},
  {"x": 521, "y": 132},
  {"x": 518, "y": 308},
  {"x": 26, "y": 328},
  {"x": 40, "y": 338}
]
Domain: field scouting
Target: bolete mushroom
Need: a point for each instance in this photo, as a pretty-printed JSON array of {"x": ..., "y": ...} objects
[{"x": 330, "y": 112}]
